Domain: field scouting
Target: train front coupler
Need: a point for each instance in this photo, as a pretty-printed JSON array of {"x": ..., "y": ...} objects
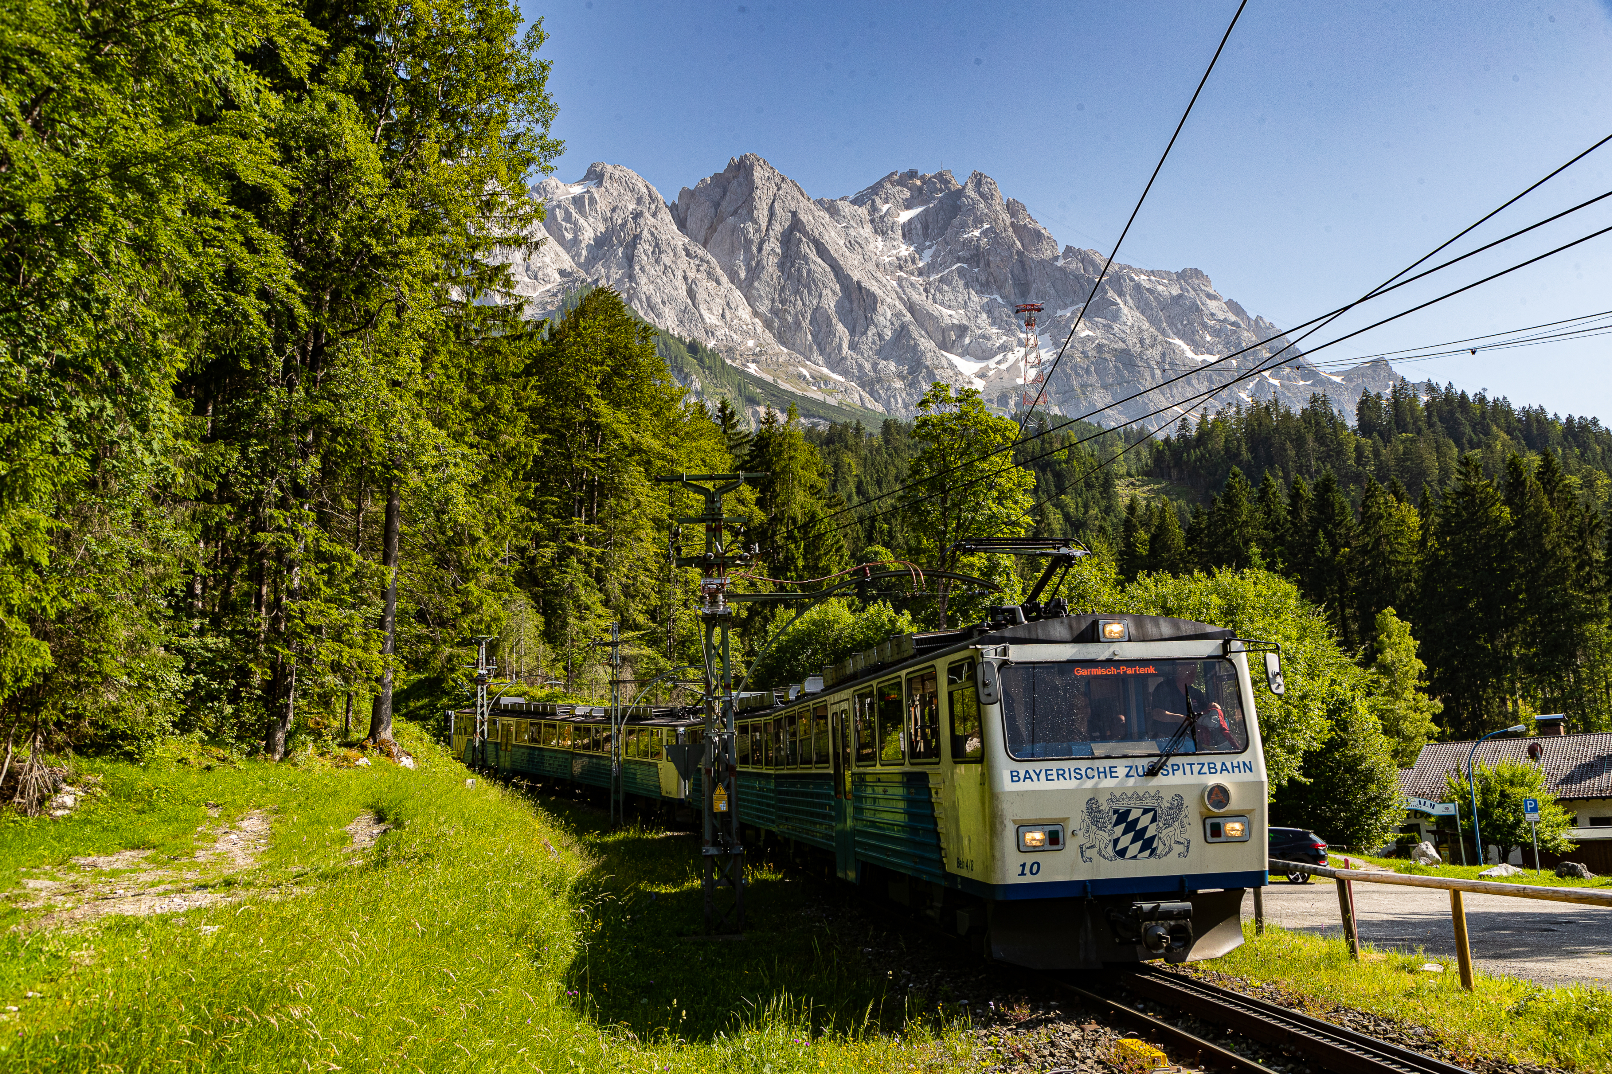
[{"x": 1163, "y": 928}]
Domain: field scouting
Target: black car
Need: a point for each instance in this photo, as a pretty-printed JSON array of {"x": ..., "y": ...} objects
[{"x": 1297, "y": 844}]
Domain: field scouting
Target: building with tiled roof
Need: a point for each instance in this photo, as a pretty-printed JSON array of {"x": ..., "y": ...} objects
[{"x": 1578, "y": 772}]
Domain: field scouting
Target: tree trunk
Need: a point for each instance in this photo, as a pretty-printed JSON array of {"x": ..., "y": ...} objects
[{"x": 380, "y": 721}]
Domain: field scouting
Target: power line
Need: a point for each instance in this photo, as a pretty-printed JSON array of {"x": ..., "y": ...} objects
[
  {"x": 1156, "y": 169},
  {"x": 1317, "y": 322},
  {"x": 1264, "y": 367}
]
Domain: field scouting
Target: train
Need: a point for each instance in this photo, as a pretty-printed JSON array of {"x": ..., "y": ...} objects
[{"x": 1065, "y": 792}]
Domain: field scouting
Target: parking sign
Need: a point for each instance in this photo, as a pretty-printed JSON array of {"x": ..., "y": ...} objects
[{"x": 1530, "y": 810}]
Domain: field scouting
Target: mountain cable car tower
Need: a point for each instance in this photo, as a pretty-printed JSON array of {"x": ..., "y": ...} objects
[{"x": 1033, "y": 381}]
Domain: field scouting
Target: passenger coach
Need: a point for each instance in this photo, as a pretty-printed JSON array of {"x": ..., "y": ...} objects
[{"x": 1067, "y": 792}]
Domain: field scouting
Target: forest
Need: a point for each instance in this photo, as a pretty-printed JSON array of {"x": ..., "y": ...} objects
[{"x": 281, "y": 443}]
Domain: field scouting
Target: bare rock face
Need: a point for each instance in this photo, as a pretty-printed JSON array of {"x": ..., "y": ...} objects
[
  {"x": 870, "y": 298},
  {"x": 813, "y": 278}
]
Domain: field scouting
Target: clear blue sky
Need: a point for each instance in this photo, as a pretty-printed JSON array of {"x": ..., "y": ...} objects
[{"x": 1335, "y": 143}]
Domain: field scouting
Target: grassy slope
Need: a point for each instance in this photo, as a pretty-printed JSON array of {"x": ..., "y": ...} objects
[
  {"x": 460, "y": 942},
  {"x": 1502, "y": 1017}
]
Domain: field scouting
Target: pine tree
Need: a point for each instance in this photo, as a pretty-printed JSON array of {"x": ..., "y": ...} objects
[
  {"x": 1403, "y": 711},
  {"x": 735, "y": 433},
  {"x": 1167, "y": 544},
  {"x": 1232, "y": 532},
  {"x": 791, "y": 500},
  {"x": 1273, "y": 521},
  {"x": 1385, "y": 554},
  {"x": 1328, "y": 580},
  {"x": 1468, "y": 603},
  {"x": 1133, "y": 540}
]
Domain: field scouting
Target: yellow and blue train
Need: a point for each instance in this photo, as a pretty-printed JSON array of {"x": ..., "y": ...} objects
[{"x": 1069, "y": 792}]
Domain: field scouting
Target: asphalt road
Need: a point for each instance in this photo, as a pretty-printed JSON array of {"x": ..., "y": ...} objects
[{"x": 1552, "y": 943}]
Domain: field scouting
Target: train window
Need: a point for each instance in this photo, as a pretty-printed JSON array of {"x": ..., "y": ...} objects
[
  {"x": 755, "y": 745},
  {"x": 767, "y": 744},
  {"x": 635, "y": 742},
  {"x": 891, "y": 732},
  {"x": 866, "y": 735},
  {"x": 963, "y": 703},
  {"x": 741, "y": 743},
  {"x": 791, "y": 739},
  {"x": 923, "y": 717},
  {"x": 657, "y": 743},
  {"x": 820, "y": 735},
  {"x": 1122, "y": 708}
]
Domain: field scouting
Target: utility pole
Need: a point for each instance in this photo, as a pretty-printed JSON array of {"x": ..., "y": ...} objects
[
  {"x": 484, "y": 673},
  {"x": 618, "y": 794},
  {"x": 721, "y": 851}
]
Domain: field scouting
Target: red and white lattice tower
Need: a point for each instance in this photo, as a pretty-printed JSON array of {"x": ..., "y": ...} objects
[{"x": 1033, "y": 380}]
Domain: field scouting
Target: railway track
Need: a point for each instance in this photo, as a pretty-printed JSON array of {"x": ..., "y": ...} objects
[{"x": 1326, "y": 1046}]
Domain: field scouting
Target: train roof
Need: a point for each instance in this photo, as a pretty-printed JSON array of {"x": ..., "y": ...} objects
[{"x": 637, "y": 715}]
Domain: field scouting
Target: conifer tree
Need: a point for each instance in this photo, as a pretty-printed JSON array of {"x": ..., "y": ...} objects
[
  {"x": 1403, "y": 711},
  {"x": 1468, "y": 603},
  {"x": 1273, "y": 522},
  {"x": 1167, "y": 544},
  {"x": 1385, "y": 555},
  {"x": 1232, "y": 532},
  {"x": 791, "y": 500},
  {"x": 1133, "y": 540}
]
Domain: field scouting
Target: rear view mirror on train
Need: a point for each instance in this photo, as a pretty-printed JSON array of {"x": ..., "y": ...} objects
[
  {"x": 989, "y": 692},
  {"x": 1273, "y": 674}
]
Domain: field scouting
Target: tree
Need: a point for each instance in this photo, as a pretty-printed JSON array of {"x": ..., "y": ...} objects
[
  {"x": 1384, "y": 555},
  {"x": 1501, "y": 788},
  {"x": 1259, "y": 604},
  {"x": 1167, "y": 544},
  {"x": 1233, "y": 535},
  {"x": 824, "y": 635},
  {"x": 1133, "y": 540},
  {"x": 1402, "y": 710},
  {"x": 1467, "y": 605},
  {"x": 791, "y": 501},
  {"x": 959, "y": 494},
  {"x": 1349, "y": 793}
]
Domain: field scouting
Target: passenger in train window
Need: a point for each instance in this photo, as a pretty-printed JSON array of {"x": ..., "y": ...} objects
[
  {"x": 1178, "y": 698},
  {"x": 1105, "y": 721},
  {"x": 963, "y": 703},
  {"x": 892, "y": 734},
  {"x": 923, "y": 717},
  {"x": 867, "y": 735}
]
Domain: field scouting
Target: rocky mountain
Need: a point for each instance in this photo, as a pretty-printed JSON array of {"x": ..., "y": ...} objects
[{"x": 868, "y": 299}]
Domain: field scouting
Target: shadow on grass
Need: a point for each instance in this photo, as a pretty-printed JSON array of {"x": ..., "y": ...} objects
[{"x": 644, "y": 965}]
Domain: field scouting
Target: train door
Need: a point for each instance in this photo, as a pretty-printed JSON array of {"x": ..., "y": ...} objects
[
  {"x": 965, "y": 806},
  {"x": 844, "y": 829}
]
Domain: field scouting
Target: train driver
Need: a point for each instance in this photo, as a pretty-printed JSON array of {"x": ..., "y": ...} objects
[{"x": 1177, "y": 699}]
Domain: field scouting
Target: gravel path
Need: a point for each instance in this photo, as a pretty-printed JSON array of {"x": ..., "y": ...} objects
[{"x": 1552, "y": 943}]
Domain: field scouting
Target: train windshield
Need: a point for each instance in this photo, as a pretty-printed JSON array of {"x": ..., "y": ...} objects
[{"x": 1122, "y": 708}]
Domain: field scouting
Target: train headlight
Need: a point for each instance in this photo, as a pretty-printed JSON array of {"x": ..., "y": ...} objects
[
  {"x": 1227, "y": 830},
  {"x": 1114, "y": 629},
  {"x": 1036, "y": 837},
  {"x": 1217, "y": 796}
]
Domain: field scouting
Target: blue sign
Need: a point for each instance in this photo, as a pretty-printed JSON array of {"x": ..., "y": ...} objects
[{"x": 1530, "y": 810}]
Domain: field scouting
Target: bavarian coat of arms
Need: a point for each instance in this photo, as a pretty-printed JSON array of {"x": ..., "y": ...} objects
[{"x": 1134, "y": 826}]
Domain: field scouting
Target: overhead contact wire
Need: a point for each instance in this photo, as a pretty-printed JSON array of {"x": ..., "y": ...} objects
[{"x": 1127, "y": 230}]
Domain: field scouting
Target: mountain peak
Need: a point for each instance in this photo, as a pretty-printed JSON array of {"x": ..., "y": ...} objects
[{"x": 869, "y": 298}]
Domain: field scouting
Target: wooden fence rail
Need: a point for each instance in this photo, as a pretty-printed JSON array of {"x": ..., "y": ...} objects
[{"x": 1346, "y": 878}]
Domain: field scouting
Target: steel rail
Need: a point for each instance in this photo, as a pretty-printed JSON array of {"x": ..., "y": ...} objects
[
  {"x": 1331, "y": 1046},
  {"x": 1583, "y": 896},
  {"x": 1188, "y": 1044}
]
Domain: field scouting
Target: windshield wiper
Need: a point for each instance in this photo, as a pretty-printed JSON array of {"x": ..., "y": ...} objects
[{"x": 1172, "y": 747}]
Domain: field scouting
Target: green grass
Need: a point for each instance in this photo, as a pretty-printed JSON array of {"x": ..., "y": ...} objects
[
  {"x": 1545, "y": 878},
  {"x": 459, "y": 942},
  {"x": 1503, "y": 1018}
]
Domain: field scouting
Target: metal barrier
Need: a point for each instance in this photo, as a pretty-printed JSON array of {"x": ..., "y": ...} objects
[{"x": 1346, "y": 878}]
